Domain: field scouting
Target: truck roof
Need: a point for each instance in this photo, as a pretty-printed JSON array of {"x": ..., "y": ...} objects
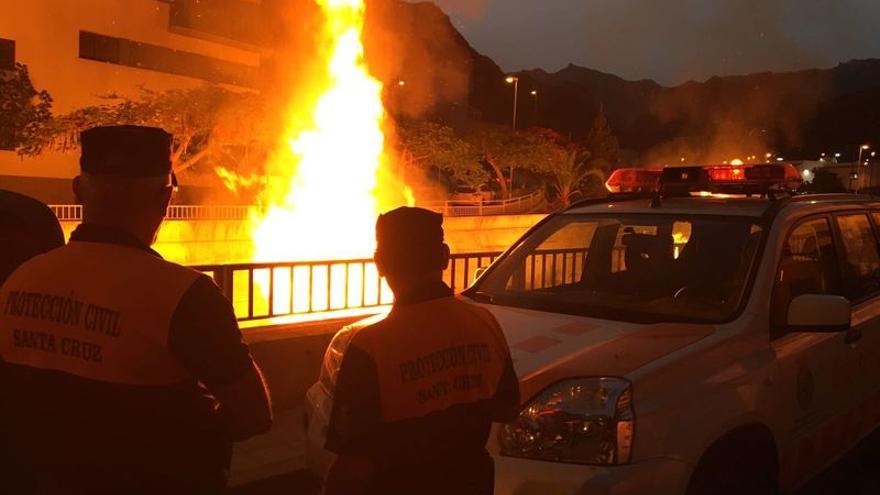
[{"x": 716, "y": 205}]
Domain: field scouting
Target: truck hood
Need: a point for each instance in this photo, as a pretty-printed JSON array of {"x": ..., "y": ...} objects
[{"x": 548, "y": 347}]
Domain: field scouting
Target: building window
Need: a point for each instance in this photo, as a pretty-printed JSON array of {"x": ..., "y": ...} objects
[
  {"x": 93, "y": 46},
  {"x": 239, "y": 21},
  {"x": 100, "y": 48},
  {"x": 7, "y": 54}
]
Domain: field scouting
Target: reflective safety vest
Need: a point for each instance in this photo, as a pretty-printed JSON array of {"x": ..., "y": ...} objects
[
  {"x": 434, "y": 355},
  {"x": 97, "y": 311}
]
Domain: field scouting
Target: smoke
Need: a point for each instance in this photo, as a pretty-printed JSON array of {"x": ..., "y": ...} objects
[
  {"x": 737, "y": 117},
  {"x": 423, "y": 60}
]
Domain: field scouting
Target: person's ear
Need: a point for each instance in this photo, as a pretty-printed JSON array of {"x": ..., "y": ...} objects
[
  {"x": 165, "y": 198},
  {"x": 379, "y": 259},
  {"x": 77, "y": 189},
  {"x": 444, "y": 256}
]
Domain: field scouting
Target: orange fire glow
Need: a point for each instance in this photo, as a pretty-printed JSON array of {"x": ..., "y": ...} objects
[
  {"x": 329, "y": 203},
  {"x": 328, "y": 182}
]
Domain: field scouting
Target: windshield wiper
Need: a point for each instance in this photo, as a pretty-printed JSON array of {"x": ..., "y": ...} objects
[{"x": 481, "y": 296}]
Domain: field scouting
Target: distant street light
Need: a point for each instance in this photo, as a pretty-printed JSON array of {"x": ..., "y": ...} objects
[
  {"x": 534, "y": 94},
  {"x": 401, "y": 83},
  {"x": 863, "y": 148},
  {"x": 515, "y": 81}
]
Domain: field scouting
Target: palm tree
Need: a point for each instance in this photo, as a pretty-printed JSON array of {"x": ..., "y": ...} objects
[{"x": 567, "y": 175}]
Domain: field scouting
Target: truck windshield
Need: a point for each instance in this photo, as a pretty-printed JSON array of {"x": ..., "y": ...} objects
[{"x": 643, "y": 268}]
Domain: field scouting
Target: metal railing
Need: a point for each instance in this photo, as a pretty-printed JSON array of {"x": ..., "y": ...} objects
[
  {"x": 453, "y": 208},
  {"x": 175, "y": 212},
  {"x": 523, "y": 204},
  {"x": 208, "y": 212},
  {"x": 261, "y": 291},
  {"x": 268, "y": 290},
  {"x": 67, "y": 212}
]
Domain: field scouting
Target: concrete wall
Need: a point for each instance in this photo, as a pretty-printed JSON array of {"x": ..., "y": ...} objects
[
  {"x": 486, "y": 234},
  {"x": 290, "y": 358},
  {"x": 200, "y": 242}
]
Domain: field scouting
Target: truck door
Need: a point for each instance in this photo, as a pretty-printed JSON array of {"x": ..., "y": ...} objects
[{"x": 809, "y": 395}]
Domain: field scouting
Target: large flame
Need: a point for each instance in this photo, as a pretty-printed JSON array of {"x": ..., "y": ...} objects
[
  {"x": 326, "y": 185},
  {"x": 330, "y": 203}
]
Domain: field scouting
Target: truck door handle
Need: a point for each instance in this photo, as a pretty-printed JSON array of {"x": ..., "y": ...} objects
[{"x": 852, "y": 336}]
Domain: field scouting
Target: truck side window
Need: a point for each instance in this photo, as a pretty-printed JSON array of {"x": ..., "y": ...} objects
[
  {"x": 861, "y": 265},
  {"x": 808, "y": 266}
]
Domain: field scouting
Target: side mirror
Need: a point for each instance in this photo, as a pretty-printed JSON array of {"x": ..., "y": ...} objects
[
  {"x": 479, "y": 272},
  {"x": 819, "y": 313}
]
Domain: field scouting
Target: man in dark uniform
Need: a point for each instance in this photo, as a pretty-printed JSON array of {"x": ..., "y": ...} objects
[
  {"x": 417, "y": 392},
  {"x": 27, "y": 228},
  {"x": 128, "y": 373}
]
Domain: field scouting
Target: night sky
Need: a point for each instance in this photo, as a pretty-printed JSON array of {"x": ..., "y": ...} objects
[{"x": 670, "y": 41}]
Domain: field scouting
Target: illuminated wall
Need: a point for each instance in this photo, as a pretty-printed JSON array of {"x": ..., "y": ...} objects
[
  {"x": 83, "y": 49},
  {"x": 226, "y": 241}
]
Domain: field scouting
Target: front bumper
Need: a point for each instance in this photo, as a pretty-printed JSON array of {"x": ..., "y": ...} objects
[
  {"x": 658, "y": 476},
  {"x": 514, "y": 476}
]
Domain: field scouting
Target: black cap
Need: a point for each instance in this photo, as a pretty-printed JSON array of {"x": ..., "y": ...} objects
[
  {"x": 407, "y": 226},
  {"x": 126, "y": 150},
  {"x": 410, "y": 239},
  {"x": 28, "y": 228}
]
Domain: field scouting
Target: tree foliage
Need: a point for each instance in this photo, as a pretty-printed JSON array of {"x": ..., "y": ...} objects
[
  {"x": 501, "y": 149},
  {"x": 428, "y": 145},
  {"x": 573, "y": 176},
  {"x": 209, "y": 124},
  {"x": 566, "y": 168},
  {"x": 603, "y": 145},
  {"x": 24, "y": 111},
  {"x": 824, "y": 181}
]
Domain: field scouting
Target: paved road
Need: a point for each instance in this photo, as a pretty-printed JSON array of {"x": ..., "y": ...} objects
[{"x": 856, "y": 474}]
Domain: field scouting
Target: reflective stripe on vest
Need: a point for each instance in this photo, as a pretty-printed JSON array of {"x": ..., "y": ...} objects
[{"x": 97, "y": 311}]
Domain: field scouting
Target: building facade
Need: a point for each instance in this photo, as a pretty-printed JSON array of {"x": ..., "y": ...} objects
[{"x": 82, "y": 50}]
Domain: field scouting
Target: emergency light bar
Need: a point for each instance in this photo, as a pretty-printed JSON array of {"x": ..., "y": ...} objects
[
  {"x": 634, "y": 180},
  {"x": 761, "y": 178}
]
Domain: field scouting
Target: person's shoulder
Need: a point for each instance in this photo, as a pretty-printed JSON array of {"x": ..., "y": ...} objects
[
  {"x": 201, "y": 292},
  {"x": 38, "y": 265},
  {"x": 480, "y": 312},
  {"x": 363, "y": 332}
]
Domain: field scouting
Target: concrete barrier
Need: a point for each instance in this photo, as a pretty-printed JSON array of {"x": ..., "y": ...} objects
[{"x": 290, "y": 357}]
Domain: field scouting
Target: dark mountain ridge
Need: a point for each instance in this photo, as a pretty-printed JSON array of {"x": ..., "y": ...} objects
[{"x": 797, "y": 114}]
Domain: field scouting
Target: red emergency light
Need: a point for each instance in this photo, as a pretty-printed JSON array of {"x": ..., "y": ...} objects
[
  {"x": 760, "y": 178},
  {"x": 633, "y": 180}
]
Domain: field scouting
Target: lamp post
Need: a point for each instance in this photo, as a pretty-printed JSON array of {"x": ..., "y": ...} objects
[
  {"x": 515, "y": 81},
  {"x": 534, "y": 94},
  {"x": 863, "y": 148}
]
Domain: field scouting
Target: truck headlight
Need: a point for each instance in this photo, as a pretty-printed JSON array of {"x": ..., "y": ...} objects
[{"x": 584, "y": 421}]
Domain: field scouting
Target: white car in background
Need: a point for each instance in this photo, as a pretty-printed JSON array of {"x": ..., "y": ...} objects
[{"x": 683, "y": 342}]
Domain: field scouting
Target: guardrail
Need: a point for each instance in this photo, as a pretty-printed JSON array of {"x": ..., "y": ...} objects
[
  {"x": 522, "y": 204},
  {"x": 175, "y": 212},
  {"x": 268, "y": 290}
]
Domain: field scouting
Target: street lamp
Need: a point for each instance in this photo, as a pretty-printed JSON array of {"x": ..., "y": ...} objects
[
  {"x": 401, "y": 83},
  {"x": 534, "y": 94},
  {"x": 515, "y": 81},
  {"x": 863, "y": 148}
]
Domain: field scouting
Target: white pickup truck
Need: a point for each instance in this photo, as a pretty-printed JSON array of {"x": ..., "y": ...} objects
[{"x": 688, "y": 342}]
